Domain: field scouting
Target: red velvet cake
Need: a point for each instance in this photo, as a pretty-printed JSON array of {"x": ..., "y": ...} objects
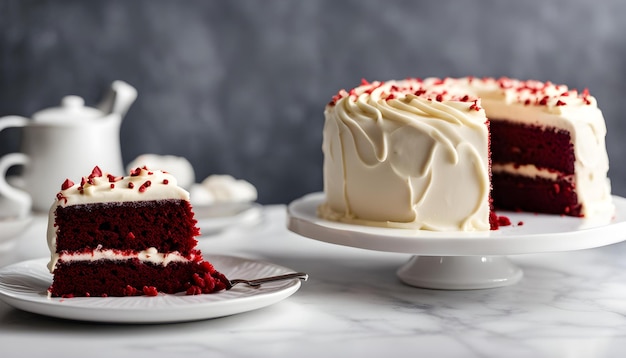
[
  {"x": 438, "y": 154},
  {"x": 126, "y": 236}
]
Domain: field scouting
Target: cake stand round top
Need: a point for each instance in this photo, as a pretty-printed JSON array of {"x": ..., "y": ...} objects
[{"x": 529, "y": 233}]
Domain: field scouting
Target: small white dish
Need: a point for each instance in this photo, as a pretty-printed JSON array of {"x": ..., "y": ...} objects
[
  {"x": 216, "y": 218},
  {"x": 457, "y": 260},
  {"x": 24, "y": 286}
]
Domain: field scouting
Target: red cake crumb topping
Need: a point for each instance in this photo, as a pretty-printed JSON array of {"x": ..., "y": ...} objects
[
  {"x": 503, "y": 221},
  {"x": 543, "y": 93},
  {"x": 145, "y": 186},
  {"x": 61, "y": 197},
  {"x": 150, "y": 291},
  {"x": 130, "y": 291},
  {"x": 96, "y": 172},
  {"x": 135, "y": 172},
  {"x": 67, "y": 184},
  {"x": 207, "y": 281},
  {"x": 113, "y": 178},
  {"x": 530, "y": 92},
  {"x": 414, "y": 86},
  {"x": 496, "y": 221}
]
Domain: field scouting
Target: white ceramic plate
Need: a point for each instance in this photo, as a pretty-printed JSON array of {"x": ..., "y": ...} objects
[
  {"x": 539, "y": 233},
  {"x": 24, "y": 286},
  {"x": 213, "y": 219}
]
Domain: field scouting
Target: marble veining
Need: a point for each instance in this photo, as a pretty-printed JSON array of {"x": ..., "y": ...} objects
[{"x": 569, "y": 304}]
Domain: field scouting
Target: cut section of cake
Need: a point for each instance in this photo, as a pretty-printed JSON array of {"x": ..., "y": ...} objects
[
  {"x": 126, "y": 236},
  {"x": 436, "y": 153},
  {"x": 548, "y": 147}
]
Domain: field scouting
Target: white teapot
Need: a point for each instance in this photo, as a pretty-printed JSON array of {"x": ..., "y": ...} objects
[{"x": 65, "y": 142}]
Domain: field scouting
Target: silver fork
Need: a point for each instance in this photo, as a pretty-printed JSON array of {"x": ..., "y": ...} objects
[{"x": 256, "y": 283}]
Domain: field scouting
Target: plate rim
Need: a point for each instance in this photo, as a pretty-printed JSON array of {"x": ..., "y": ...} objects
[
  {"x": 76, "y": 309},
  {"x": 303, "y": 220}
]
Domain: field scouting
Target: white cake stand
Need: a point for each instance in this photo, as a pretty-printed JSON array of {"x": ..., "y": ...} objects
[{"x": 464, "y": 260}]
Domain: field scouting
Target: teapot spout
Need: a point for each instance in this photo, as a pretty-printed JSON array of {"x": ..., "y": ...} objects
[{"x": 119, "y": 99}]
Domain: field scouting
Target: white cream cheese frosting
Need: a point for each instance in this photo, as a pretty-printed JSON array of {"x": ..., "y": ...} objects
[
  {"x": 150, "y": 255},
  {"x": 398, "y": 154},
  {"x": 414, "y": 153},
  {"x": 178, "y": 166},
  {"x": 141, "y": 185}
]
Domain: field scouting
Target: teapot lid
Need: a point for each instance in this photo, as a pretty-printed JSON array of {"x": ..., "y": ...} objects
[{"x": 72, "y": 109}]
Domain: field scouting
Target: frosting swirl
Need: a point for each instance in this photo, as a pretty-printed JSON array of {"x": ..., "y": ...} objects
[{"x": 424, "y": 143}]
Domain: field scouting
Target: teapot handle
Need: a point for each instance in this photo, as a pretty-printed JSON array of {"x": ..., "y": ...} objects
[
  {"x": 18, "y": 196},
  {"x": 13, "y": 121}
]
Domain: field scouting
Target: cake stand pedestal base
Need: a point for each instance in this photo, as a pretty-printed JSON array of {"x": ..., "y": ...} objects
[{"x": 459, "y": 272}]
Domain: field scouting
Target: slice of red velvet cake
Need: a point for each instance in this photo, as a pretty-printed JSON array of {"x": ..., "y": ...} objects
[{"x": 126, "y": 236}]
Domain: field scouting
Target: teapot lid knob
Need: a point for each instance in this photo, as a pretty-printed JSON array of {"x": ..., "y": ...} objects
[{"x": 73, "y": 102}]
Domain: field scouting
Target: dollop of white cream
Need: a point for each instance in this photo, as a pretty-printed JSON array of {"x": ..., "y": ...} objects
[{"x": 222, "y": 189}]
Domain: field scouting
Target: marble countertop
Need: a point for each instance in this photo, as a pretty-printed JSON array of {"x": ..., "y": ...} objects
[{"x": 570, "y": 304}]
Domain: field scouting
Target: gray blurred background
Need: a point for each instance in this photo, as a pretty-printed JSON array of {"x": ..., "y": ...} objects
[{"x": 239, "y": 87}]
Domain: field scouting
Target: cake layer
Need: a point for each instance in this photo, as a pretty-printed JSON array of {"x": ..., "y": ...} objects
[
  {"x": 539, "y": 195},
  {"x": 135, "y": 225},
  {"x": 130, "y": 278},
  {"x": 543, "y": 147}
]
